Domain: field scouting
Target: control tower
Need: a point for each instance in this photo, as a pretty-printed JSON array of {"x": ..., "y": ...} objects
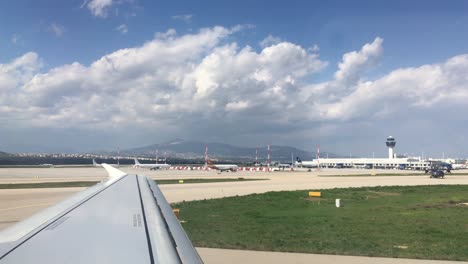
[{"x": 390, "y": 144}]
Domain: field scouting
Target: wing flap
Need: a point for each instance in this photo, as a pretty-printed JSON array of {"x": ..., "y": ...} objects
[{"x": 182, "y": 243}]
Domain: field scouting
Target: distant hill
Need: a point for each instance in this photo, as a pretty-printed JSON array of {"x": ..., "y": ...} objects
[
  {"x": 186, "y": 149},
  {"x": 4, "y": 154}
]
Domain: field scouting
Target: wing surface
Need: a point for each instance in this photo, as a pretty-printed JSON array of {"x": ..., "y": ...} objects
[{"x": 123, "y": 220}]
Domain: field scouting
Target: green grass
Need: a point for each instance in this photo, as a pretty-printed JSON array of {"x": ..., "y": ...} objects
[
  {"x": 24, "y": 166},
  {"x": 47, "y": 185},
  {"x": 376, "y": 174},
  {"x": 376, "y": 221},
  {"x": 91, "y": 183}
]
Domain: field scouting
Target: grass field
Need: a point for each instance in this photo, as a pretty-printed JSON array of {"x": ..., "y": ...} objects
[
  {"x": 91, "y": 183},
  {"x": 427, "y": 222},
  {"x": 47, "y": 185},
  {"x": 374, "y": 175}
]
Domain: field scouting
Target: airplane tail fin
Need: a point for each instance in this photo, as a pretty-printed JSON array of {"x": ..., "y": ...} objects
[
  {"x": 298, "y": 159},
  {"x": 137, "y": 162},
  {"x": 94, "y": 162}
]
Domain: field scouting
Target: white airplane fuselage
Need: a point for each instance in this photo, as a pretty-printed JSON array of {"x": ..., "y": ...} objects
[
  {"x": 308, "y": 164},
  {"x": 151, "y": 166},
  {"x": 459, "y": 166},
  {"x": 225, "y": 167}
]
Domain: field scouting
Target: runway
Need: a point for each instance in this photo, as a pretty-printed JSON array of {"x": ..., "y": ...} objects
[
  {"x": 24, "y": 175},
  {"x": 16, "y": 205},
  {"x": 229, "y": 256}
]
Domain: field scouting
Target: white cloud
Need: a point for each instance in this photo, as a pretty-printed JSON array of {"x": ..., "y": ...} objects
[
  {"x": 15, "y": 75},
  {"x": 237, "y": 106},
  {"x": 353, "y": 65},
  {"x": 269, "y": 40},
  {"x": 168, "y": 77},
  {"x": 201, "y": 83},
  {"x": 169, "y": 34},
  {"x": 354, "y": 62},
  {"x": 98, "y": 8},
  {"x": 314, "y": 48},
  {"x": 57, "y": 29},
  {"x": 417, "y": 90},
  {"x": 424, "y": 88},
  {"x": 187, "y": 18},
  {"x": 21, "y": 70},
  {"x": 122, "y": 29}
]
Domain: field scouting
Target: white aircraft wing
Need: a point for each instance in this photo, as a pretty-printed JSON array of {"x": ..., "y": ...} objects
[{"x": 123, "y": 220}]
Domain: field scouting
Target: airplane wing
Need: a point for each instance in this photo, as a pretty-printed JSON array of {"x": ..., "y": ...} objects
[{"x": 125, "y": 219}]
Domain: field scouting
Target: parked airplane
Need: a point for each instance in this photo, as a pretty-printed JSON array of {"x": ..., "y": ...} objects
[
  {"x": 306, "y": 164},
  {"x": 223, "y": 167},
  {"x": 459, "y": 166},
  {"x": 284, "y": 165},
  {"x": 219, "y": 167},
  {"x": 151, "y": 166},
  {"x": 95, "y": 164},
  {"x": 125, "y": 219}
]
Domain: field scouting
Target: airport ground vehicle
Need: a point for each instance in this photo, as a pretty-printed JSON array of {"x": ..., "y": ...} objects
[
  {"x": 438, "y": 169},
  {"x": 437, "y": 174},
  {"x": 443, "y": 166}
]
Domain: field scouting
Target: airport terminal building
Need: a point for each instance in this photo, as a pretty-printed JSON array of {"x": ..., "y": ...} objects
[
  {"x": 392, "y": 162},
  {"x": 369, "y": 163}
]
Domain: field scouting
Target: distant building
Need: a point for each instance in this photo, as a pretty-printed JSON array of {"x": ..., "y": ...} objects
[
  {"x": 371, "y": 163},
  {"x": 391, "y": 144},
  {"x": 392, "y": 162}
]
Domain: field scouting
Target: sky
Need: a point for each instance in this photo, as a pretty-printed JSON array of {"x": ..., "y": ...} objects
[{"x": 78, "y": 76}]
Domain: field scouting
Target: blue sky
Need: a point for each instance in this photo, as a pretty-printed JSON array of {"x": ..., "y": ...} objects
[
  {"x": 420, "y": 28},
  {"x": 402, "y": 35}
]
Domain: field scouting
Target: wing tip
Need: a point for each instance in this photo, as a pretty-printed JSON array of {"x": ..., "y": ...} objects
[{"x": 113, "y": 172}]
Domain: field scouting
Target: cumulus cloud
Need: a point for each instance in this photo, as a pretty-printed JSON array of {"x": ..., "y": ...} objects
[
  {"x": 169, "y": 77},
  {"x": 355, "y": 62},
  {"x": 19, "y": 71},
  {"x": 202, "y": 83},
  {"x": 14, "y": 75},
  {"x": 352, "y": 67},
  {"x": 416, "y": 90},
  {"x": 406, "y": 90}
]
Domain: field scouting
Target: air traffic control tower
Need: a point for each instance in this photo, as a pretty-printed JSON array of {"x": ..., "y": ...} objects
[{"x": 390, "y": 144}]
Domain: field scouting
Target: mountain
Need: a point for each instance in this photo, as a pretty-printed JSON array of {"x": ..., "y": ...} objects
[
  {"x": 4, "y": 154},
  {"x": 186, "y": 149}
]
